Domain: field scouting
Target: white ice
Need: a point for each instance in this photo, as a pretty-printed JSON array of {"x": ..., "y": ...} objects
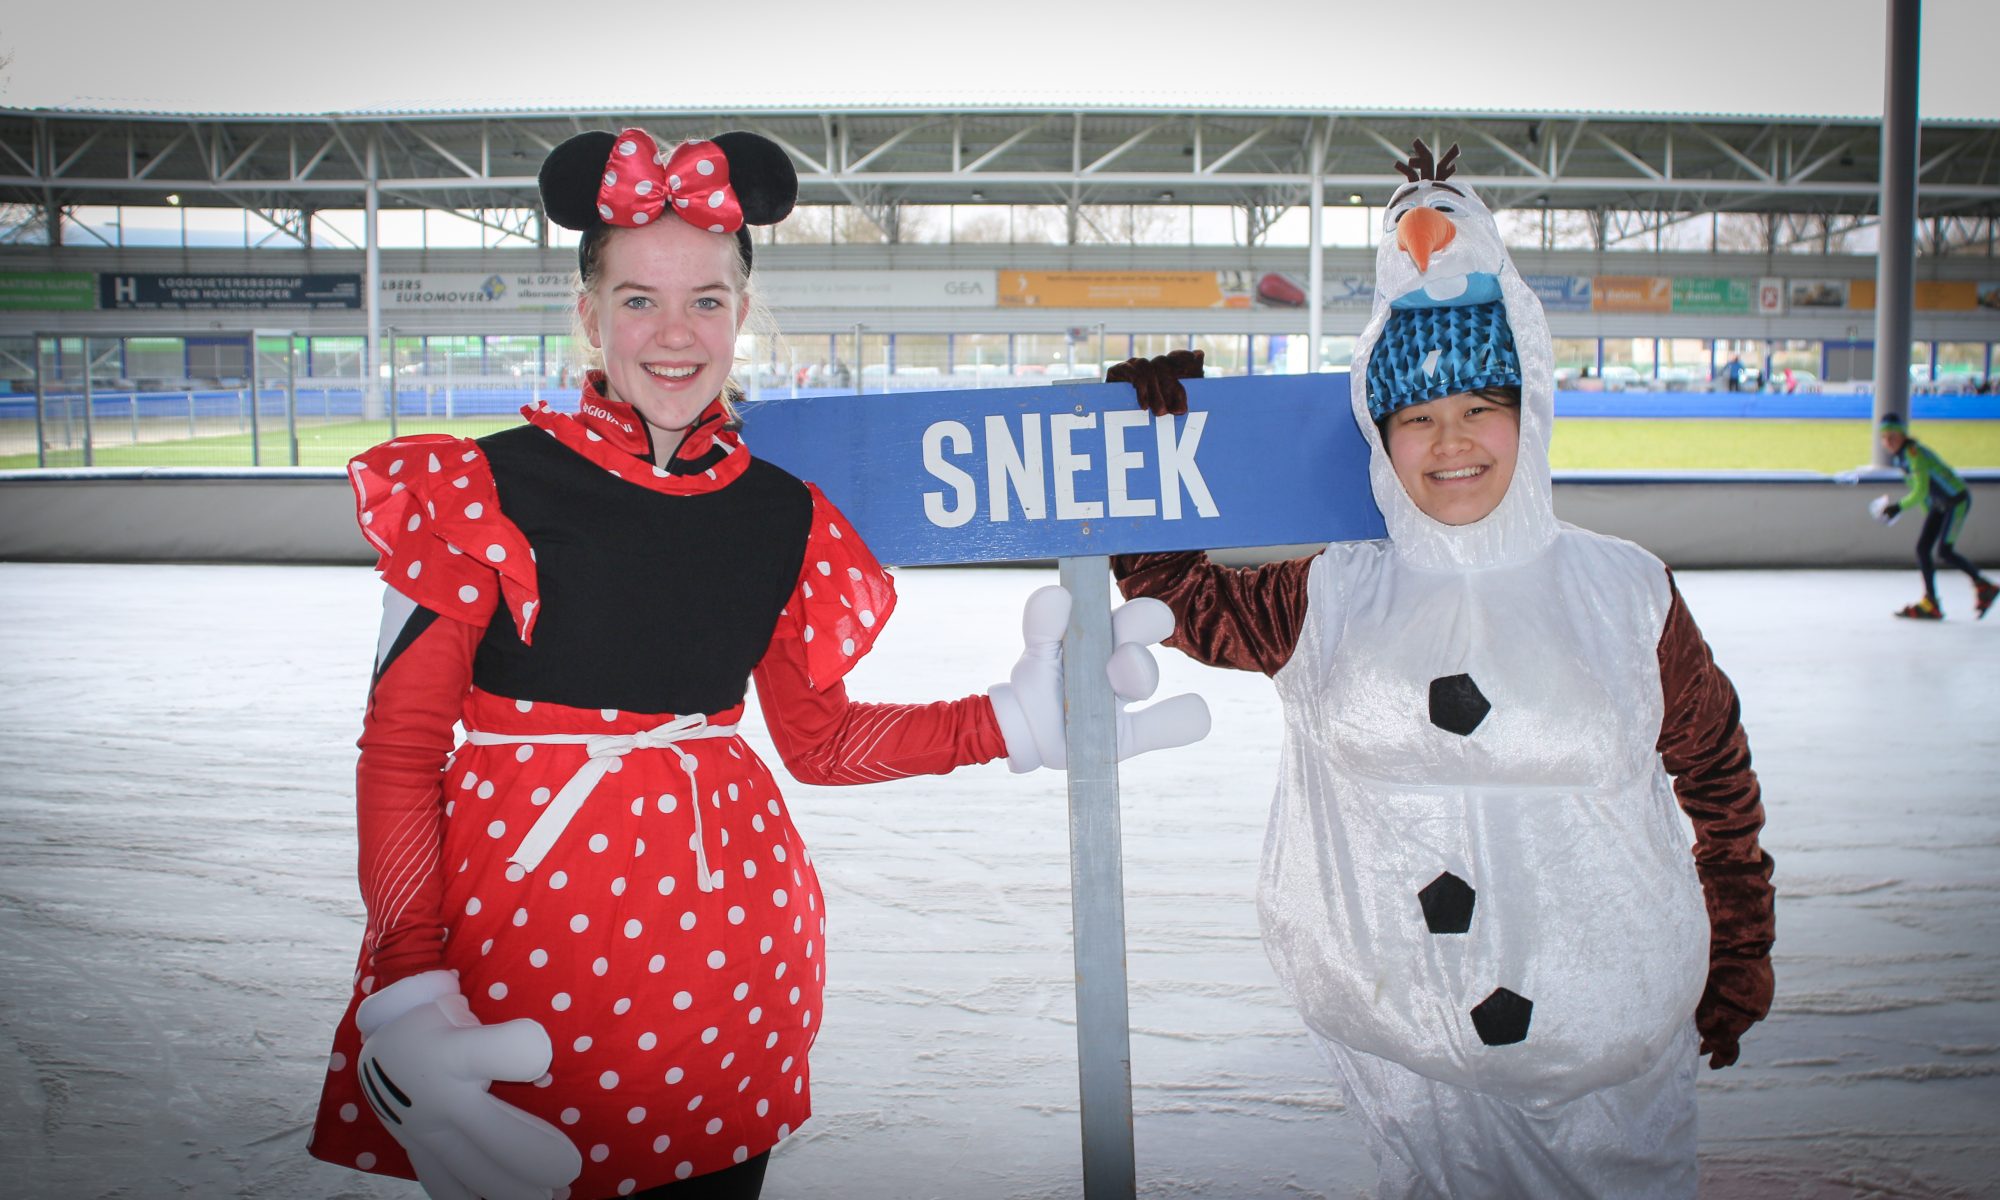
[{"x": 178, "y": 914}]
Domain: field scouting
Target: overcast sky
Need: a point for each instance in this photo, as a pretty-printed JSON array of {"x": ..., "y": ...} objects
[{"x": 1821, "y": 57}]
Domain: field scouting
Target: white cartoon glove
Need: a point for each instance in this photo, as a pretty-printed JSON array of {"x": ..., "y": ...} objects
[
  {"x": 426, "y": 1063},
  {"x": 1885, "y": 510},
  {"x": 1030, "y": 706}
]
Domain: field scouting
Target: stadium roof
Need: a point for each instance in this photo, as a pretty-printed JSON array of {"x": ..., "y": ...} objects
[{"x": 879, "y": 156}]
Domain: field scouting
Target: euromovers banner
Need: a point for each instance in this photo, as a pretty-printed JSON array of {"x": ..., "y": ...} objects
[
  {"x": 480, "y": 291},
  {"x": 1012, "y": 474}
]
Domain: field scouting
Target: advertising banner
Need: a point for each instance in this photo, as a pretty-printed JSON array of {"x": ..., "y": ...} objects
[
  {"x": 1124, "y": 289},
  {"x": 217, "y": 291},
  {"x": 47, "y": 291},
  {"x": 1820, "y": 293},
  {"x": 1012, "y": 474},
  {"x": 1561, "y": 293},
  {"x": 878, "y": 289},
  {"x": 1277, "y": 289},
  {"x": 487, "y": 291},
  {"x": 1722, "y": 296},
  {"x": 1632, "y": 293},
  {"x": 1770, "y": 297}
]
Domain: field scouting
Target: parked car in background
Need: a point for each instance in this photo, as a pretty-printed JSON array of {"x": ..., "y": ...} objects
[
  {"x": 1620, "y": 378},
  {"x": 1790, "y": 380}
]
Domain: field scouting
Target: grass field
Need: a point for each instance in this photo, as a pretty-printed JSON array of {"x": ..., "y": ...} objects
[{"x": 1581, "y": 443}]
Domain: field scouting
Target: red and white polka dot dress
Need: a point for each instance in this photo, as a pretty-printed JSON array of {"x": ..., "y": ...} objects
[
  {"x": 686, "y": 1052},
  {"x": 681, "y": 1015}
]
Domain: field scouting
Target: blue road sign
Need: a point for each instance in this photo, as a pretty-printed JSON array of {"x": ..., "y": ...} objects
[{"x": 1007, "y": 474}]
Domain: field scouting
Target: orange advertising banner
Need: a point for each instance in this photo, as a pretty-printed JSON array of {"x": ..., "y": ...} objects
[
  {"x": 1932, "y": 295},
  {"x": 1632, "y": 293},
  {"x": 1117, "y": 289}
]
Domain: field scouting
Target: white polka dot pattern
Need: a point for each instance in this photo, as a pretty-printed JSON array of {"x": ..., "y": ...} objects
[
  {"x": 644, "y": 181},
  {"x": 418, "y": 539}
]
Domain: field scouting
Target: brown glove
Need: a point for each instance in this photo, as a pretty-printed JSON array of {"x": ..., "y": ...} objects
[
  {"x": 1738, "y": 994},
  {"x": 1158, "y": 380}
]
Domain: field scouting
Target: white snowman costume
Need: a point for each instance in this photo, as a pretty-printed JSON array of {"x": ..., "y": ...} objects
[{"x": 1477, "y": 883}]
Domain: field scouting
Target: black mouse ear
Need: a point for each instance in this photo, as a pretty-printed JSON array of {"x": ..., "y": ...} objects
[
  {"x": 570, "y": 177},
  {"x": 761, "y": 174}
]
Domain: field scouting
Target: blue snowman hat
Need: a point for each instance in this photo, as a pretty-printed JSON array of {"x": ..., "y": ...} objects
[{"x": 1428, "y": 353}]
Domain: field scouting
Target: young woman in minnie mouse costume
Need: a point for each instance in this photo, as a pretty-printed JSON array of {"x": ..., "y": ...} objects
[{"x": 593, "y": 959}]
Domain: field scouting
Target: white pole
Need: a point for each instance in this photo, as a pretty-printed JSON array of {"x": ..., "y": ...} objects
[
  {"x": 1097, "y": 887},
  {"x": 1316, "y": 257}
]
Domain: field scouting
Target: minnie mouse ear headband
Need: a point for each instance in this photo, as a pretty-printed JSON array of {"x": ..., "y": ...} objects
[{"x": 598, "y": 181}]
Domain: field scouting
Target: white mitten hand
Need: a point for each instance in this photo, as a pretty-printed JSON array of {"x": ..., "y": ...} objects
[
  {"x": 1178, "y": 721},
  {"x": 1884, "y": 509},
  {"x": 426, "y": 1063},
  {"x": 1030, "y": 706}
]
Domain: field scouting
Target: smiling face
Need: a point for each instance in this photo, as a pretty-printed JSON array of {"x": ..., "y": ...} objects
[
  {"x": 1455, "y": 455},
  {"x": 664, "y": 309}
]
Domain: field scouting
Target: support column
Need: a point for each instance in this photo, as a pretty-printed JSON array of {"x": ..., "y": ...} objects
[
  {"x": 1316, "y": 252},
  {"x": 1895, "y": 260},
  {"x": 371, "y": 293}
]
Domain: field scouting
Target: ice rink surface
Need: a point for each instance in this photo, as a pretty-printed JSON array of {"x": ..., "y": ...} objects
[{"x": 179, "y": 918}]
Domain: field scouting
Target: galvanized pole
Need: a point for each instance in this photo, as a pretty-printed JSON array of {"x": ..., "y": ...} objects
[
  {"x": 1097, "y": 887},
  {"x": 395, "y": 398},
  {"x": 89, "y": 431},
  {"x": 41, "y": 402},
  {"x": 1895, "y": 262},
  {"x": 256, "y": 402},
  {"x": 292, "y": 394}
]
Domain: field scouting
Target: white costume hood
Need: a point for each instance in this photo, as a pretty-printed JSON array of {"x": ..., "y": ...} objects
[{"x": 1471, "y": 267}]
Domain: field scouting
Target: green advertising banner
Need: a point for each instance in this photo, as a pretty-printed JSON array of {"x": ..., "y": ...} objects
[
  {"x": 1713, "y": 295},
  {"x": 47, "y": 291}
]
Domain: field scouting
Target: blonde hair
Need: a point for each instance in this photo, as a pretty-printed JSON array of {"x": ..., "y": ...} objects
[{"x": 757, "y": 319}]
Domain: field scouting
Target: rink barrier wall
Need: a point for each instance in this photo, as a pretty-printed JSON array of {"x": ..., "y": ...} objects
[{"x": 306, "y": 515}]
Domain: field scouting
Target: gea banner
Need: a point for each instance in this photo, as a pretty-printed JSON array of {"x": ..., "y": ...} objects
[
  {"x": 790, "y": 290},
  {"x": 1012, "y": 474}
]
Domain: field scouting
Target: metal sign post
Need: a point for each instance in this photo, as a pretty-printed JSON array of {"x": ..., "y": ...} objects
[{"x": 1097, "y": 887}]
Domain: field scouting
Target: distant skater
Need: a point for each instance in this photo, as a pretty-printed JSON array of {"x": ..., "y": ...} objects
[{"x": 1946, "y": 501}]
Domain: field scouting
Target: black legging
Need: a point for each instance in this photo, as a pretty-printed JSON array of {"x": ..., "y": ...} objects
[
  {"x": 1936, "y": 522},
  {"x": 744, "y": 1181}
]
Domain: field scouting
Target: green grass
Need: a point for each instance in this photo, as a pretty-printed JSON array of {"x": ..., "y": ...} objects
[
  {"x": 329, "y": 445},
  {"x": 1581, "y": 443},
  {"x": 1622, "y": 443}
]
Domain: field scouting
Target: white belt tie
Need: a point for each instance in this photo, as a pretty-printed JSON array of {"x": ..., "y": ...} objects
[{"x": 603, "y": 750}]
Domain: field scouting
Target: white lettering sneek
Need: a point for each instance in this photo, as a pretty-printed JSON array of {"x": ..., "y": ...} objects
[{"x": 603, "y": 749}]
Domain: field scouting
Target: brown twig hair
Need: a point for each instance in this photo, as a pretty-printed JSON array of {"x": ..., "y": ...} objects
[{"x": 1420, "y": 165}]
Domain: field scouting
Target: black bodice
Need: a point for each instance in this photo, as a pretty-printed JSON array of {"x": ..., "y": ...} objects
[{"x": 649, "y": 602}]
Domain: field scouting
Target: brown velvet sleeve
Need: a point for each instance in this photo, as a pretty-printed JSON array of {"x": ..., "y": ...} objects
[
  {"x": 1704, "y": 748},
  {"x": 1243, "y": 617}
]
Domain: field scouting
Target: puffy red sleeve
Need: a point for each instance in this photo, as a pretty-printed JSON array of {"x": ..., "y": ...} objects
[
  {"x": 836, "y": 611},
  {"x": 399, "y": 783},
  {"x": 428, "y": 505},
  {"x": 1248, "y": 618},
  {"x": 1703, "y": 746}
]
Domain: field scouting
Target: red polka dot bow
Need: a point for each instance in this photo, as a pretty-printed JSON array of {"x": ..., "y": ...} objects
[{"x": 641, "y": 180}]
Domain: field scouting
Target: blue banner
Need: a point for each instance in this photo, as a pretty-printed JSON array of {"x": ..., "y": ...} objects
[{"x": 1013, "y": 474}]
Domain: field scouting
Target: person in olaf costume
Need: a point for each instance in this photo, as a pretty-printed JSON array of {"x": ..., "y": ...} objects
[
  {"x": 1502, "y": 736},
  {"x": 593, "y": 958}
]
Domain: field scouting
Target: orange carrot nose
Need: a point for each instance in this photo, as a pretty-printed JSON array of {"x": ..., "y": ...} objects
[{"x": 1423, "y": 232}]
